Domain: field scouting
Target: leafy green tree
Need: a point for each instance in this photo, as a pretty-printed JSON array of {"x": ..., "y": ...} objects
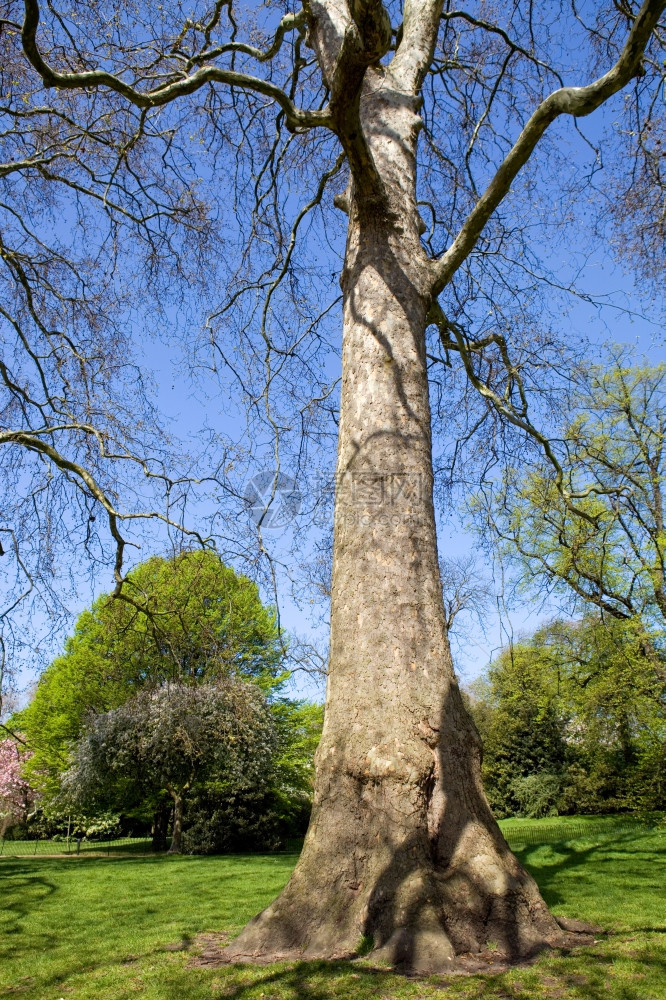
[
  {"x": 607, "y": 546},
  {"x": 574, "y": 719},
  {"x": 521, "y": 725},
  {"x": 299, "y": 726},
  {"x": 193, "y": 620},
  {"x": 170, "y": 739},
  {"x": 614, "y": 686}
]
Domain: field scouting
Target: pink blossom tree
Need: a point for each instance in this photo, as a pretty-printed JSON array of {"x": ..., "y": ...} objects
[{"x": 16, "y": 796}]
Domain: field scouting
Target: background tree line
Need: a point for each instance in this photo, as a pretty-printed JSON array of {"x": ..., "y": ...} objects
[{"x": 573, "y": 720}]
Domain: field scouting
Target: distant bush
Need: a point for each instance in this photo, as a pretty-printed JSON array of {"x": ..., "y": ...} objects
[
  {"x": 538, "y": 794},
  {"x": 251, "y": 820},
  {"x": 106, "y": 826},
  {"x": 59, "y": 825}
]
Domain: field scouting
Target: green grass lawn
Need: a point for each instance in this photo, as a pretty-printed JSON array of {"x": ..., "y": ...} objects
[{"x": 119, "y": 928}]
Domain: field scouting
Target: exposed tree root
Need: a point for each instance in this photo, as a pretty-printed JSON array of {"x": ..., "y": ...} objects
[{"x": 216, "y": 952}]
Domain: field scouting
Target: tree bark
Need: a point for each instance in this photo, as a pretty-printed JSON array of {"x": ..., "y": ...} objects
[
  {"x": 176, "y": 846},
  {"x": 160, "y": 826},
  {"x": 402, "y": 854}
]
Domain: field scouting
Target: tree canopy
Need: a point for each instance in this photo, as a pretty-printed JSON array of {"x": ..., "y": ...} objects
[
  {"x": 608, "y": 550},
  {"x": 195, "y": 621},
  {"x": 573, "y": 719},
  {"x": 207, "y": 194},
  {"x": 173, "y": 738}
]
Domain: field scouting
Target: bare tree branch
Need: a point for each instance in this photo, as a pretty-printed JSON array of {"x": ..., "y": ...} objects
[{"x": 574, "y": 101}]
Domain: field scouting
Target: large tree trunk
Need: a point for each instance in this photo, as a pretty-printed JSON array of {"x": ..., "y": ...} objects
[{"x": 402, "y": 848}]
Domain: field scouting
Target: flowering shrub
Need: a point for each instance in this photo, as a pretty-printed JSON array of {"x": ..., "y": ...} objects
[
  {"x": 16, "y": 796},
  {"x": 105, "y": 826}
]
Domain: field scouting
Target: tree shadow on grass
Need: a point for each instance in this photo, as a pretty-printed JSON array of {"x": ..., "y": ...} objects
[
  {"x": 304, "y": 981},
  {"x": 22, "y": 893},
  {"x": 583, "y": 976},
  {"x": 597, "y": 974},
  {"x": 27, "y": 884},
  {"x": 570, "y": 857},
  {"x": 23, "y": 890}
]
